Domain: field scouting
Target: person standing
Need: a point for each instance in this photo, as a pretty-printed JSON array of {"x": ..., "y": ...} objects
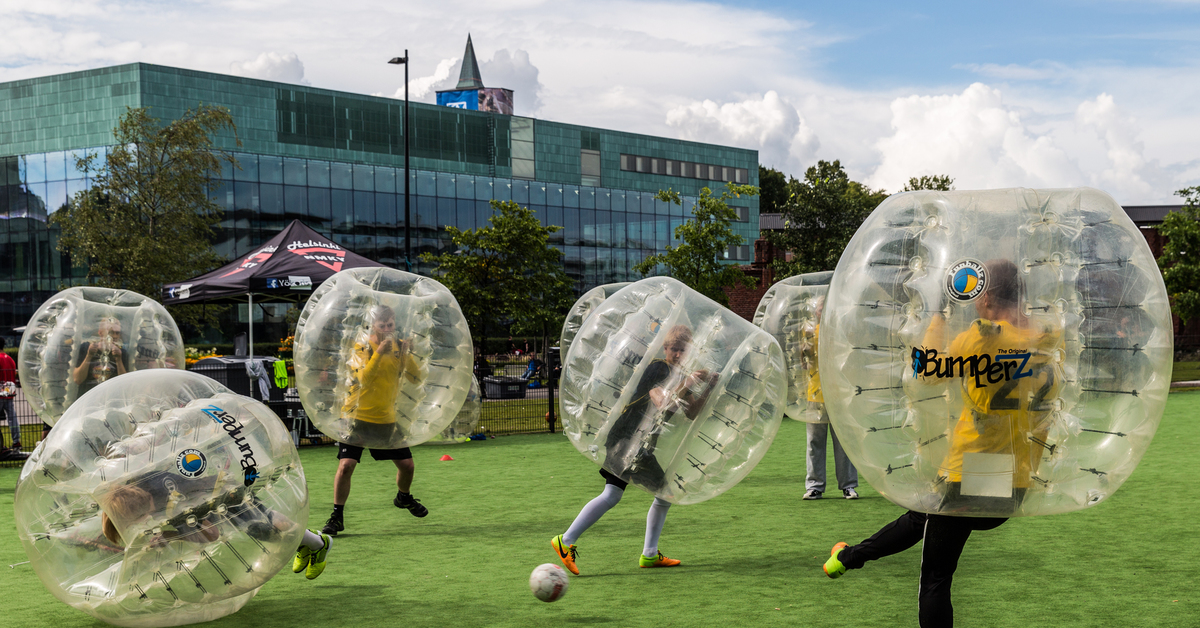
[
  {"x": 376, "y": 370},
  {"x": 8, "y": 392},
  {"x": 820, "y": 433}
]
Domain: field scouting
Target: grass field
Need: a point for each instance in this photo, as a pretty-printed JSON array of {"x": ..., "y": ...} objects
[
  {"x": 751, "y": 557},
  {"x": 1186, "y": 372}
]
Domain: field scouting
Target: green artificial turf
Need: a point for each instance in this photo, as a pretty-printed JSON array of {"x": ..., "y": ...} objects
[
  {"x": 1185, "y": 372},
  {"x": 751, "y": 557}
]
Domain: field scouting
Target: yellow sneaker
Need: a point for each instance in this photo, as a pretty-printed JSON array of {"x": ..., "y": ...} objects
[
  {"x": 658, "y": 561},
  {"x": 834, "y": 567},
  {"x": 316, "y": 564},
  {"x": 566, "y": 553}
]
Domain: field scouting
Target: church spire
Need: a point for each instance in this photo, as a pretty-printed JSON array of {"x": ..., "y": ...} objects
[{"x": 469, "y": 77}]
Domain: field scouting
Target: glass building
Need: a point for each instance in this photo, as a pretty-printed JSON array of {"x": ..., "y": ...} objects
[{"x": 336, "y": 161}]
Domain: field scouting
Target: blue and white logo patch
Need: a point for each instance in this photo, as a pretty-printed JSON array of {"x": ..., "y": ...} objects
[
  {"x": 966, "y": 280},
  {"x": 191, "y": 463}
]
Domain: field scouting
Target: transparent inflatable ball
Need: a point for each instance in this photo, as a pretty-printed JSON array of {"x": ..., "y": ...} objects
[
  {"x": 161, "y": 498},
  {"x": 383, "y": 358},
  {"x": 671, "y": 392},
  {"x": 996, "y": 353},
  {"x": 791, "y": 311},
  {"x": 581, "y": 310},
  {"x": 82, "y": 337}
]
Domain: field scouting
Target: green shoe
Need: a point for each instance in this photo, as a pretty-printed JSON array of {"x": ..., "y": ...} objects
[
  {"x": 317, "y": 563},
  {"x": 300, "y": 562},
  {"x": 658, "y": 560},
  {"x": 834, "y": 567}
]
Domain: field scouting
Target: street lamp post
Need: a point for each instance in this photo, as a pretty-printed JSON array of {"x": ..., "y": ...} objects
[{"x": 407, "y": 214}]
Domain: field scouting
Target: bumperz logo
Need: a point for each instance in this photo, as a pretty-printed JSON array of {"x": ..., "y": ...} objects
[
  {"x": 966, "y": 280},
  {"x": 191, "y": 463},
  {"x": 234, "y": 429},
  {"x": 1006, "y": 365}
]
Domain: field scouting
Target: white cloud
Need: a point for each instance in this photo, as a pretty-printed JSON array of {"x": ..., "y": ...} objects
[
  {"x": 272, "y": 66},
  {"x": 974, "y": 137},
  {"x": 423, "y": 88},
  {"x": 1119, "y": 134},
  {"x": 769, "y": 124},
  {"x": 514, "y": 71}
]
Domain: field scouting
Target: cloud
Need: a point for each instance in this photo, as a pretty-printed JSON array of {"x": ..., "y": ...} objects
[
  {"x": 768, "y": 124},
  {"x": 272, "y": 66},
  {"x": 514, "y": 71},
  {"x": 1119, "y": 133},
  {"x": 423, "y": 88},
  {"x": 975, "y": 138}
]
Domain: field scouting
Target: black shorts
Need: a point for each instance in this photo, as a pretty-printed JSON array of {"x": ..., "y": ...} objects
[
  {"x": 609, "y": 478},
  {"x": 355, "y": 453}
]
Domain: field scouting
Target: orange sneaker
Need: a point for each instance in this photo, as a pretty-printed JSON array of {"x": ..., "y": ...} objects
[
  {"x": 658, "y": 561},
  {"x": 566, "y": 553}
]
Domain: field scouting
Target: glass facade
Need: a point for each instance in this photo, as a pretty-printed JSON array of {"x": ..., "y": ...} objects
[{"x": 335, "y": 161}]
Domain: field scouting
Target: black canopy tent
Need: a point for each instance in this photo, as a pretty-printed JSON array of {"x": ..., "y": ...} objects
[{"x": 285, "y": 269}]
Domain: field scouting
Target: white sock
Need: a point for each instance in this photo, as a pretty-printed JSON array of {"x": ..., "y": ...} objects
[
  {"x": 312, "y": 540},
  {"x": 654, "y": 525},
  {"x": 591, "y": 513}
]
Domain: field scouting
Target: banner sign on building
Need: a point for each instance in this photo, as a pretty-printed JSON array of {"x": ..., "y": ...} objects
[{"x": 464, "y": 99}]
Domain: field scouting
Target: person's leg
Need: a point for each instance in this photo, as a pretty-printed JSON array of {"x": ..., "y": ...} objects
[
  {"x": 945, "y": 538},
  {"x": 893, "y": 538},
  {"x": 564, "y": 544},
  {"x": 405, "y": 468},
  {"x": 815, "y": 478},
  {"x": 655, "y": 518},
  {"x": 847, "y": 475},
  {"x": 348, "y": 457},
  {"x": 592, "y": 512},
  {"x": 14, "y": 426}
]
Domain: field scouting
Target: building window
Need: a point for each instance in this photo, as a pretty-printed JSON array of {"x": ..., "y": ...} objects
[
  {"x": 685, "y": 169},
  {"x": 589, "y": 167}
]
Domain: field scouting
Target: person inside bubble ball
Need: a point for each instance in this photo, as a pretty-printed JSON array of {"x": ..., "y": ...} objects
[
  {"x": 820, "y": 433},
  {"x": 101, "y": 359},
  {"x": 1002, "y": 418},
  {"x": 381, "y": 364},
  {"x": 662, "y": 392},
  {"x": 173, "y": 499}
]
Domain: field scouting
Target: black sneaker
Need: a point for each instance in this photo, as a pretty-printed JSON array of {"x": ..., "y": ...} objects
[
  {"x": 333, "y": 526},
  {"x": 411, "y": 504}
]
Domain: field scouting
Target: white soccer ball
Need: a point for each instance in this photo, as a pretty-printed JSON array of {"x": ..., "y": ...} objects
[{"x": 548, "y": 582}]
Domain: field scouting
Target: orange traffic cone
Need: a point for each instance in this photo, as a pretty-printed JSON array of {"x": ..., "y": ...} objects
[{"x": 446, "y": 457}]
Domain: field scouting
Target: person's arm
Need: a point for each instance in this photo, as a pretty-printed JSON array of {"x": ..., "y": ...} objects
[{"x": 79, "y": 374}]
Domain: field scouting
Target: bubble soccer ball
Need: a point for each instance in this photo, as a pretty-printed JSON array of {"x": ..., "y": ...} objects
[
  {"x": 671, "y": 392},
  {"x": 82, "y": 337},
  {"x": 821, "y": 278},
  {"x": 996, "y": 353},
  {"x": 466, "y": 422},
  {"x": 549, "y": 582},
  {"x": 202, "y": 491},
  {"x": 580, "y": 311},
  {"x": 383, "y": 358},
  {"x": 790, "y": 311}
]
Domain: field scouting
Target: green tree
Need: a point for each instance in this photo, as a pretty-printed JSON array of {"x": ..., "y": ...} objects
[
  {"x": 506, "y": 272},
  {"x": 704, "y": 238},
  {"x": 772, "y": 190},
  {"x": 940, "y": 182},
  {"x": 147, "y": 220},
  {"x": 1180, "y": 260},
  {"x": 822, "y": 213}
]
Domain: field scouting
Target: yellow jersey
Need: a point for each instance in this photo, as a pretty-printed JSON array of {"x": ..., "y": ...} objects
[
  {"x": 375, "y": 382},
  {"x": 814, "y": 376},
  {"x": 1009, "y": 381}
]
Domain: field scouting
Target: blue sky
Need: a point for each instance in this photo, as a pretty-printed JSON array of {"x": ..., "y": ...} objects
[{"x": 1048, "y": 94}]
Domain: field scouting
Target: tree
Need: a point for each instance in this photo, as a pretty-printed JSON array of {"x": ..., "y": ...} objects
[
  {"x": 147, "y": 220},
  {"x": 940, "y": 182},
  {"x": 506, "y": 272},
  {"x": 704, "y": 238},
  {"x": 1180, "y": 260},
  {"x": 821, "y": 215},
  {"x": 772, "y": 190}
]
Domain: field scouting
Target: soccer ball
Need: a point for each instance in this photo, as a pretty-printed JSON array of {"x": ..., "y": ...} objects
[{"x": 548, "y": 582}]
